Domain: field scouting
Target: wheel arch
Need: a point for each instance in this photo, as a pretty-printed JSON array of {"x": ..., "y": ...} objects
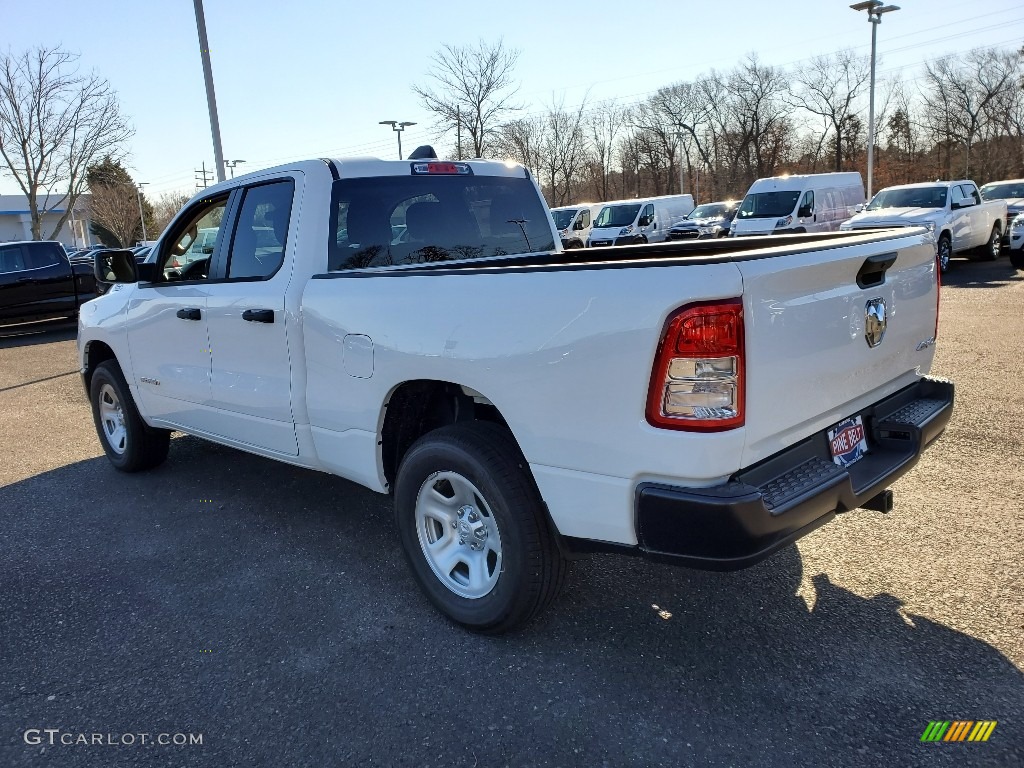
[
  {"x": 418, "y": 406},
  {"x": 95, "y": 352}
]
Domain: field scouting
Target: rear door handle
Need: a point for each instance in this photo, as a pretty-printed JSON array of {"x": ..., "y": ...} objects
[
  {"x": 190, "y": 313},
  {"x": 258, "y": 315}
]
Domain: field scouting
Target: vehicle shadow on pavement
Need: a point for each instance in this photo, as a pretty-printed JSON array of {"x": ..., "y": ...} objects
[
  {"x": 270, "y": 608},
  {"x": 30, "y": 334},
  {"x": 981, "y": 274}
]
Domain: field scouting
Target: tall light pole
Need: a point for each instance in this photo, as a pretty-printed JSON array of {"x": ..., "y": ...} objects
[
  {"x": 231, "y": 164},
  {"x": 142, "y": 214},
  {"x": 398, "y": 128},
  {"x": 211, "y": 97},
  {"x": 875, "y": 9}
]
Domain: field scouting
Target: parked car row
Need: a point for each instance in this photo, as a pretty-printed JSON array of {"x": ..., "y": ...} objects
[
  {"x": 963, "y": 219},
  {"x": 620, "y": 222}
]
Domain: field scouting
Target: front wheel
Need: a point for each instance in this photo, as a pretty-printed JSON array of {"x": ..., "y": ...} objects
[
  {"x": 945, "y": 253},
  {"x": 473, "y": 528},
  {"x": 130, "y": 443}
]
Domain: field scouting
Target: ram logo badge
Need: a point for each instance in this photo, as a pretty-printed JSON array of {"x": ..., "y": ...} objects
[{"x": 874, "y": 321}]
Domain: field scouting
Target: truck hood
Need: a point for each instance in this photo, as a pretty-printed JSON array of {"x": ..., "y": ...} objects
[
  {"x": 755, "y": 226},
  {"x": 695, "y": 223},
  {"x": 901, "y": 217}
]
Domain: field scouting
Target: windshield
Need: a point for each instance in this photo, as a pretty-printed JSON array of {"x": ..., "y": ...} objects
[
  {"x": 563, "y": 217},
  {"x": 617, "y": 216},
  {"x": 1002, "y": 191},
  {"x": 909, "y": 197},
  {"x": 764, "y": 205},
  {"x": 709, "y": 211}
]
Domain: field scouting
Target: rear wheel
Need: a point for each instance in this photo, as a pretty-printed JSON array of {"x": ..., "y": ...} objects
[
  {"x": 945, "y": 253},
  {"x": 130, "y": 443},
  {"x": 992, "y": 248},
  {"x": 473, "y": 528}
]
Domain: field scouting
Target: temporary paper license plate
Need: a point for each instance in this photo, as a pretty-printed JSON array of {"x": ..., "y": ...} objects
[{"x": 848, "y": 441}]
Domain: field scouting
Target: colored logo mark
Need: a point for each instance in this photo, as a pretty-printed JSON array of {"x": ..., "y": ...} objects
[{"x": 959, "y": 730}]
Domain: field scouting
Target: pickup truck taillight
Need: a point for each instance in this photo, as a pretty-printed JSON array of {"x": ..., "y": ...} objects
[{"x": 697, "y": 382}]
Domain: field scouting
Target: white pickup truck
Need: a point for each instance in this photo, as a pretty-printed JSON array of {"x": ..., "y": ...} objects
[
  {"x": 413, "y": 326},
  {"x": 953, "y": 211}
]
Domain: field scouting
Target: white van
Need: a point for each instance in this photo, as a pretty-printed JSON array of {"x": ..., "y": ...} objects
[
  {"x": 816, "y": 202},
  {"x": 644, "y": 220},
  {"x": 574, "y": 223}
]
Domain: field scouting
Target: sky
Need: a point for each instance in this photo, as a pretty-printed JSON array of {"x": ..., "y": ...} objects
[{"x": 311, "y": 78}]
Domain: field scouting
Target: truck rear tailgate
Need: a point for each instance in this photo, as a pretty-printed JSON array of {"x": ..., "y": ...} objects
[{"x": 830, "y": 331}]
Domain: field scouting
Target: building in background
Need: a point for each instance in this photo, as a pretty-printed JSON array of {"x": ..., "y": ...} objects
[{"x": 16, "y": 222}]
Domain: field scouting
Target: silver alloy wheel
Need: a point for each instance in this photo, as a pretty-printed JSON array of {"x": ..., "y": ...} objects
[
  {"x": 945, "y": 251},
  {"x": 995, "y": 246},
  {"x": 112, "y": 419},
  {"x": 458, "y": 534}
]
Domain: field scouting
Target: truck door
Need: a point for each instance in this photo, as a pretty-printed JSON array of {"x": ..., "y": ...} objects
[
  {"x": 249, "y": 323},
  {"x": 960, "y": 218},
  {"x": 35, "y": 282},
  {"x": 648, "y": 224},
  {"x": 15, "y": 287},
  {"x": 169, "y": 343}
]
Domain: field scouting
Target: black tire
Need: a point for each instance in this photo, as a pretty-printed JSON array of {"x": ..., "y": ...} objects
[
  {"x": 945, "y": 253},
  {"x": 992, "y": 248},
  {"x": 532, "y": 568},
  {"x": 1017, "y": 258},
  {"x": 141, "y": 446}
]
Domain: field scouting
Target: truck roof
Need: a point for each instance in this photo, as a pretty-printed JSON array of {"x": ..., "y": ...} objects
[{"x": 925, "y": 184}]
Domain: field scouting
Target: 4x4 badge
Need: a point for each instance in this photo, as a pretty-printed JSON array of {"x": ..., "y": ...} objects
[{"x": 874, "y": 321}]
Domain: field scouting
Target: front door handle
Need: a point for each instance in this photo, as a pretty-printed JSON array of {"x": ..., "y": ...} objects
[
  {"x": 190, "y": 313},
  {"x": 258, "y": 315}
]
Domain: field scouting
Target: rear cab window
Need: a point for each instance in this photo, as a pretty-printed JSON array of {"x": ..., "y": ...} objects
[{"x": 417, "y": 219}]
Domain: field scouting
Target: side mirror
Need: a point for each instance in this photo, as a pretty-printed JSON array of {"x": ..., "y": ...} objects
[
  {"x": 858, "y": 207},
  {"x": 115, "y": 266},
  {"x": 645, "y": 220},
  {"x": 804, "y": 212},
  {"x": 578, "y": 224}
]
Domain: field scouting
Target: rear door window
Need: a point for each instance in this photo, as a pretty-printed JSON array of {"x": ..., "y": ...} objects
[
  {"x": 257, "y": 249},
  {"x": 12, "y": 258}
]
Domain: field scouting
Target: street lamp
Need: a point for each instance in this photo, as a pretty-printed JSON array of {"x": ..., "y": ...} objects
[
  {"x": 398, "y": 128},
  {"x": 231, "y": 164},
  {"x": 875, "y": 9},
  {"x": 142, "y": 215}
]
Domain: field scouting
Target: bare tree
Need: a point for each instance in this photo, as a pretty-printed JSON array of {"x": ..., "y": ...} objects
[
  {"x": 564, "y": 151},
  {"x": 54, "y": 123},
  {"x": 166, "y": 208},
  {"x": 829, "y": 87},
  {"x": 115, "y": 207},
  {"x": 472, "y": 91},
  {"x": 604, "y": 125},
  {"x": 959, "y": 93}
]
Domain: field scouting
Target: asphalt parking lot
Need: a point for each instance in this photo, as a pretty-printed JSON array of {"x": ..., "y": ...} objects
[{"x": 270, "y": 610}]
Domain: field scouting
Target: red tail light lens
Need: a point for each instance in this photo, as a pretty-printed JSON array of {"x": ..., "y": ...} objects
[{"x": 698, "y": 379}]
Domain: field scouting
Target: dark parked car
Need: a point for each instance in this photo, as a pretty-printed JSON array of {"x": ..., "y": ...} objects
[
  {"x": 706, "y": 221},
  {"x": 38, "y": 282}
]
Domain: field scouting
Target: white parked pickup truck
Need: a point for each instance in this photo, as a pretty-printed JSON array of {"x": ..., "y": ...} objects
[
  {"x": 953, "y": 211},
  {"x": 414, "y": 327}
]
